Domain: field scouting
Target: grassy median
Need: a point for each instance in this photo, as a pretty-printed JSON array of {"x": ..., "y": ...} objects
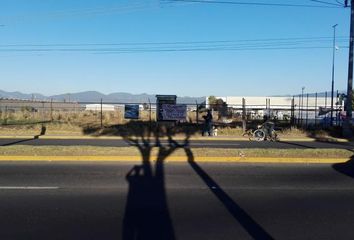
[{"x": 22, "y": 150}]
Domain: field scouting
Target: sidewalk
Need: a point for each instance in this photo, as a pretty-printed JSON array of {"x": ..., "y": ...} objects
[{"x": 181, "y": 137}]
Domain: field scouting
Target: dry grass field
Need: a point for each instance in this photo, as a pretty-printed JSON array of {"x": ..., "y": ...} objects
[
  {"x": 74, "y": 122},
  {"x": 18, "y": 150}
]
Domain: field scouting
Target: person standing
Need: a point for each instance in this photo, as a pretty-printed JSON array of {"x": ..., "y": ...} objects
[
  {"x": 208, "y": 123},
  {"x": 268, "y": 126}
]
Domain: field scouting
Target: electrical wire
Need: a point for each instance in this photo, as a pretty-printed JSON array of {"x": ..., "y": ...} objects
[
  {"x": 253, "y": 3},
  {"x": 132, "y": 6},
  {"x": 178, "y": 43},
  {"x": 328, "y": 3},
  {"x": 165, "y": 49}
]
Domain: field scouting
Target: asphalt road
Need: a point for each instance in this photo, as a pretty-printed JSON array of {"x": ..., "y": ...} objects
[
  {"x": 176, "y": 201},
  {"x": 193, "y": 143}
]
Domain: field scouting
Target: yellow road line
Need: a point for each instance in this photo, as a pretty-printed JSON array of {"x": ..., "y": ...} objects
[{"x": 174, "y": 159}]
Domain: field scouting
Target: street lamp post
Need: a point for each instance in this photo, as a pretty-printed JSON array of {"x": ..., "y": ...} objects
[
  {"x": 333, "y": 60},
  {"x": 347, "y": 123}
]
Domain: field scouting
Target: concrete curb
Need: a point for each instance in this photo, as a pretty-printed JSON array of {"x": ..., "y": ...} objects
[{"x": 175, "y": 159}]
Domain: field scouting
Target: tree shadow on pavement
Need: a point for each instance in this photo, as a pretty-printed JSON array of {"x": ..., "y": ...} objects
[
  {"x": 329, "y": 136},
  {"x": 19, "y": 141},
  {"x": 146, "y": 213},
  {"x": 43, "y": 131},
  {"x": 240, "y": 215},
  {"x": 297, "y": 144},
  {"x": 346, "y": 168}
]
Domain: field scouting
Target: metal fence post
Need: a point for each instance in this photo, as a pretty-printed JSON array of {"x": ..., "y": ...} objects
[
  {"x": 197, "y": 112},
  {"x": 101, "y": 115},
  {"x": 243, "y": 115},
  {"x": 5, "y": 120},
  {"x": 292, "y": 114},
  {"x": 337, "y": 112},
  {"x": 150, "y": 120},
  {"x": 325, "y": 100},
  {"x": 43, "y": 110},
  {"x": 316, "y": 110},
  {"x": 51, "y": 109},
  {"x": 307, "y": 110},
  {"x": 299, "y": 114},
  {"x": 269, "y": 110}
]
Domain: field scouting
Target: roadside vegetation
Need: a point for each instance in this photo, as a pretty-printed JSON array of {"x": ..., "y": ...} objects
[{"x": 23, "y": 150}]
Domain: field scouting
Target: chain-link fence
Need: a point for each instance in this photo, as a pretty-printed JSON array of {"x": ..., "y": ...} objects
[{"x": 301, "y": 110}]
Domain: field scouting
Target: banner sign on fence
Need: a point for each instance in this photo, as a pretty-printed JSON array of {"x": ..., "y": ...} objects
[
  {"x": 131, "y": 111},
  {"x": 174, "y": 112}
]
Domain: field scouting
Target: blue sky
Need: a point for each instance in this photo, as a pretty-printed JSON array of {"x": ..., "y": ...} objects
[{"x": 54, "y": 47}]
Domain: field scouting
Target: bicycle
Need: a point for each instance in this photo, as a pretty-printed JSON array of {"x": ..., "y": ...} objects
[{"x": 261, "y": 134}]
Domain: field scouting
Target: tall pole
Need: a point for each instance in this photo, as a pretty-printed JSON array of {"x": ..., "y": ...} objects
[
  {"x": 333, "y": 59},
  {"x": 347, "y": 124}
]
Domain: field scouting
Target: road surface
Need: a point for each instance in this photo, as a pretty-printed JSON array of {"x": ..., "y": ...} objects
[{"x": 175, "y": 201}]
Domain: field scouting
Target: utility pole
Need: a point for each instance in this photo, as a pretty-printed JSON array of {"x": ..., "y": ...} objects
[
  {"x": 347, "y": 124},
  {"x": 333, "y": 59}
]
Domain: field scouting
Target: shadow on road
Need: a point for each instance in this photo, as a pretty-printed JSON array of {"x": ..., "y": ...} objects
[
  {"x": 20, "y": 141},
  {"x": 240, "y": 215},
  {"x": 43, "y": 130},
  {"x": 147, "y": 214},
  {"x": 346, "y": 168},
  {"x": 297, "y": 144}
]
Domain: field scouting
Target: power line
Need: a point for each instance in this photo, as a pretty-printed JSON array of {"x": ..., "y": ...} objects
[
  {"x": 177, "y": 46},
  {"x": 147, "y": 50},
  {"x": 239, "y": 41},
  {"x": 253, "y": 3},
  {"x": 217, "y": 49},
  {"x": 328, "y": 3},
  {"x": 114, "y": 9}
]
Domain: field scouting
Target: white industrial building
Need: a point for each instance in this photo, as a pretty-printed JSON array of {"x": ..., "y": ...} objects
[
  {"x": 97, "y": 107},
  {"x": 109, "y": 107},
  {"x": 280, "y": 106},
  {"x": 277, "y": 102}
]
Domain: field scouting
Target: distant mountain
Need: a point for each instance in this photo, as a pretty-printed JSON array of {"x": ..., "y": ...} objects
[
  {"x": 19, "y": 95},
  {"x": 88, "y": 96},
  {"x": 94, "y": 96}
]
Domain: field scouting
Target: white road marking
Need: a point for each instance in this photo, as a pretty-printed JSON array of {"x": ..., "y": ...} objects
[{"x": 27, "y": 188}]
